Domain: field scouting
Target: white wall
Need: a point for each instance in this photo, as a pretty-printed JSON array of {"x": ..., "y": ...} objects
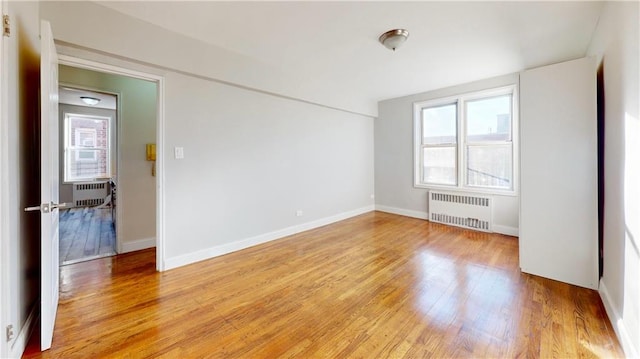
[
  {"x": 394, "y": 190},
  {"x": 252, "y": 159},
  {"x": 615, "y": 42},
  {"x": 135, "y": 186},
  {"x": 20, "y": 175},
  {"x": 136, "y": 39}
]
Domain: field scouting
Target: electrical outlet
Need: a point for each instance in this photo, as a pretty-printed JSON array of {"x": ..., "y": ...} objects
[{"x": 299, "y": 213}]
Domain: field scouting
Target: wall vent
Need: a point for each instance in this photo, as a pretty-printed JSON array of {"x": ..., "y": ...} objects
[{"x": 462, "y": 210}]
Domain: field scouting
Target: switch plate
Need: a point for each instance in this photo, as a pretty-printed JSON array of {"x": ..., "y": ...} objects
[
  {"x": 299, "y": 213},
  {"x": 179, "y": 153}
]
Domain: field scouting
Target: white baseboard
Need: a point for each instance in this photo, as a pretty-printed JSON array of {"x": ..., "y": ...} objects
[
  {"x": 402, "y": 212},
  {"x": 138, "y": 244},
  {"x": 618, "y": 324},
  {"x": 509, "y": 231},
  {"x": 222, "y": 249},
  {"x": 20, "y": 344}
]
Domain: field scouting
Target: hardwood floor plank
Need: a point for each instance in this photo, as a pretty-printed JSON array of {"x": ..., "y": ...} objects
[
  {"x": 86, "y": 233},
  {"x": 373, "y": 286}
]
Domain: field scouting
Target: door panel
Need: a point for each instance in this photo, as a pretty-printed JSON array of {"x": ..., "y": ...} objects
[{"x": 49, "y": 183}]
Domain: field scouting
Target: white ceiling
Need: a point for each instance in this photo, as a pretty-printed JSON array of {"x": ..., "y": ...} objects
[
  {"x": 71, "y": 96},
  {"x": 336, "y": 42}
]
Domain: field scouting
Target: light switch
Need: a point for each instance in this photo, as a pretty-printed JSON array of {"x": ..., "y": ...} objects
[{"x": 179, "y": 153}]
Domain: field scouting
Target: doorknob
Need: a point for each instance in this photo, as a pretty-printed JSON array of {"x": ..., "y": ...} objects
[{"x": 47, "y": 207}]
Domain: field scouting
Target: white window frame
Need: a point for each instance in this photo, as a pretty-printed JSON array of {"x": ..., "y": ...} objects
[
  {"x": 461, "y": 142},
  {"x": 67, "y": 146}
]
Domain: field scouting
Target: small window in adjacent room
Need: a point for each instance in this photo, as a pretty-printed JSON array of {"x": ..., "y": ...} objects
[
  {"x": 467, "y": 141},
  {"x": 86, "y": 147}
]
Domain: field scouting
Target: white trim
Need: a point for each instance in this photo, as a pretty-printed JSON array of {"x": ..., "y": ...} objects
[
  {"x": 5, "y": 303},
  {"x": 138, "y": 244},
  {"x": 20, "y": 344},
  {"x": 403, "y": 212},
  {"x": 222, "y": 249},
  {"x": 160, "y": 180},
  {"x": 67, "y": 145},
  {"x": 617, "y": 323},
  {"x": 102, "y": 67},
  {"x": 159, "y": 80},
  {"x": 506, "y": 230}
]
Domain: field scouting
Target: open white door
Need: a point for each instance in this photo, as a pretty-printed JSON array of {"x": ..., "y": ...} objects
[{"x": 49, "y": 184}]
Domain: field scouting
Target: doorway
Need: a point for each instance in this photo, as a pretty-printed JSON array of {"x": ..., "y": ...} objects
[
  {"x": 88, "y": 173},
  {"x": 128, "y": 198}
]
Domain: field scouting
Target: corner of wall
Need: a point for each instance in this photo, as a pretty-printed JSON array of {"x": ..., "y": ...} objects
[{"x": 630, "y": 349}]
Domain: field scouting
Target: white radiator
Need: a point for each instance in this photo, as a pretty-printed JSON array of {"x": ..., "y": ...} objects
[
  {"x": 462, "y": 210},
  {"x": 90, "y": 194}
]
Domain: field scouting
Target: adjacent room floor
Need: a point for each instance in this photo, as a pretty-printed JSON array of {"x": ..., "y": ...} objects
[
  {"x": 86, "y": 233},
  {"x": 373, "y": 286}
]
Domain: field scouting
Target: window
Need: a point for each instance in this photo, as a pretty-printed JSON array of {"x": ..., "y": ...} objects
[
  {"x": 467, "y": 141},
  {"x": 86, "y": 147}
]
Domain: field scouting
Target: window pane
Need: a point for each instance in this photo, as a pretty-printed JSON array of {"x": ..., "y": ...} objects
[
  {"x": 490, "y": 166},
  {"x": 439, "y": 165},
  {"x": 489, "y": 119},
  {"x": 439, "y": 124},
  {"x": 85, "y": 138},
  {"x": 87, "y": 164},
  {"x": 88, "y": 131}
]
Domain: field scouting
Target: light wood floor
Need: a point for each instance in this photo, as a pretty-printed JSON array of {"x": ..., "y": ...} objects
[
  {"x": 86, "y": 233},
  {"x": 373, "y": 286}
]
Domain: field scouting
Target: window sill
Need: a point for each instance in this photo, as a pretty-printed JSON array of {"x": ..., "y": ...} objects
[
  {"x": 474, "y": 190},
  {"x": 88, "y": 180}
]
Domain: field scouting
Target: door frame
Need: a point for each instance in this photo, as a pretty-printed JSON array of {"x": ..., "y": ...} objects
[
  {"x": 118, "y": 134},
  {"x": 159, "y": 80},
  {"x": 4, "y": 194}
]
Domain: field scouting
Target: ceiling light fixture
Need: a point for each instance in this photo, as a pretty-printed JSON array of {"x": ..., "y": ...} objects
[
  {"x": 392, "y": 39},
  {"x": 91, "y": 101}
]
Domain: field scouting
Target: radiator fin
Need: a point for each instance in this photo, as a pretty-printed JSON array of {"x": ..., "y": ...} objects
[
  {"x": 90, "y": 193},
  {"x": 462, "y": 210},
  {"x": 89, "y": 202}
]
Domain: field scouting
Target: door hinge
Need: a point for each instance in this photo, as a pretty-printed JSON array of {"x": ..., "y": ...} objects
[
  {"x": 9, "y": 332},
  {"x": 6, "y": 25}
]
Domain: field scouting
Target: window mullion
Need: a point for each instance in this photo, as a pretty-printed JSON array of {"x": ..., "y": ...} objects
[{"x": 461, "y": 133}]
